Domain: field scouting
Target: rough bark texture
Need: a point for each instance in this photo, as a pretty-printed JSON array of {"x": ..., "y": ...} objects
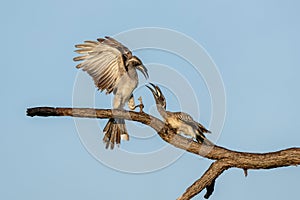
[{"x": 224, "y": 158}]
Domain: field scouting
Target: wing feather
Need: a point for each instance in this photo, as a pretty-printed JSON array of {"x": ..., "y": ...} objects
[
  {"x": 189, "y": 120},
  {"x": 104, "y": 61}
]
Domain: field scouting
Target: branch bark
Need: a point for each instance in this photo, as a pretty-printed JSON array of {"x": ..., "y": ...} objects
[{"x": 224, "y": 158}]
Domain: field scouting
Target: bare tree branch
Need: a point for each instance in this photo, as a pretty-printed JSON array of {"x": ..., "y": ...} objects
[
  {"x": 225, "y": 158},
  {"x": 207, "y": 180}
]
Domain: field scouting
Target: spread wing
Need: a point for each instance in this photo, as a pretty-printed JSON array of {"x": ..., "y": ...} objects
[
  {"x": 189, "y": 120},
  {"x": 104, "y": 60}
]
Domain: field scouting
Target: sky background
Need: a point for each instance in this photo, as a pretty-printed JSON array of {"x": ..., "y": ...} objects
[{"x": 255, "y": 45}]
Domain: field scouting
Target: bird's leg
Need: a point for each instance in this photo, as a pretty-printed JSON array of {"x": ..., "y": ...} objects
[
  {"x": 131, "y": 103},
  {"x": 132, "y": 106},
  {"x": 118, "y": 102},
  {"x": 141, "y": 105}
]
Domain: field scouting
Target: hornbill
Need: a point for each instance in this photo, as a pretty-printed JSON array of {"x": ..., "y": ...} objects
[
  {"x": 113, "y": 68},
  {"x": 180, "y": 121}
]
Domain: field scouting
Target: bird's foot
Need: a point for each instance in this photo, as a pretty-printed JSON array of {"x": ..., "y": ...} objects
[{"x": 190, "y": 140}]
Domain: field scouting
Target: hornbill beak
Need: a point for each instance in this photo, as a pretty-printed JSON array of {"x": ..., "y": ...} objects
[
  {"x": 153, "y": 91},
  {"x": 156, "y": 91},
  {"x": 157, "y": 94},
  {"x": 144, "y": 70}
]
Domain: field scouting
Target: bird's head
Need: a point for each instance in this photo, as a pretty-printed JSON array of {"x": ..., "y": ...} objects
[
  {"x": 158, "y": 95},
  {"x": 137, "y": 63}
]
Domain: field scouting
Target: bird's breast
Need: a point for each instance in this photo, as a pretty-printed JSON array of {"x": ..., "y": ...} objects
[{"x": 173, "y": 122}]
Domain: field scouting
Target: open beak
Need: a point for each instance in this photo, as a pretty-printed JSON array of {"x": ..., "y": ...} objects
[
  {"x": 153, "y": 91},
  {"x": 156, "y": 91},
  {"x": 158, "y": 96},
  {"x": 144, "y": 70}
]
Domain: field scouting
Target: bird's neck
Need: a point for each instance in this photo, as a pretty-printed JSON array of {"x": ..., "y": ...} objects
[
  {"x": 162, "y": 111},
  {"x": 132, "y": 72}
]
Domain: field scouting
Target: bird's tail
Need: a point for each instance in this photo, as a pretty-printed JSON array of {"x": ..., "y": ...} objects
[
  {"x": 114, "y": 131},
  {"x": 200, "y": 137}
]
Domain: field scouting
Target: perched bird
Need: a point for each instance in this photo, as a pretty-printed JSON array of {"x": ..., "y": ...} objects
[
  {"x": 113, "y": 68},
  {"x": 180, "y": 121}
]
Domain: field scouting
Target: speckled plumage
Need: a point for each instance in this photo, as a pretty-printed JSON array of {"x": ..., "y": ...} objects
[{"x": 180, "y": 121}]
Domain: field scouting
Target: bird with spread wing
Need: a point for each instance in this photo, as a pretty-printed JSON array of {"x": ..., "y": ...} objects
[{"x": 113, "y": 68}]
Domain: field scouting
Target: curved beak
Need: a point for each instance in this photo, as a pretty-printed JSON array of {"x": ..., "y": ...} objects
[
  {"x": 157, "y": 94},
  {"x": 153, "y": 91},
  {"x": 144, "y": 70},
  {"x": 157, "y": 89}
]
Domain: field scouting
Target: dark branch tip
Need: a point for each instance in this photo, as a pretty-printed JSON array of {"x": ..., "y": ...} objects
[
  {"x": 245, "y": 172},
  {"x": 41, "y": 111},
  {"x": 210, "y": 189}
]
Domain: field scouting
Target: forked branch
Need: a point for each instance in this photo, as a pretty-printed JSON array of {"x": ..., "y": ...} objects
[{"x": 224, "y": 158}]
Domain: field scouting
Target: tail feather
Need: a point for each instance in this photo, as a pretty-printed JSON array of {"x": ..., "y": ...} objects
[
  {"x": 203, "y": 129},
  {"x": 112, "y": 141},
  {"x": 114, "y": 130},
  {"x": 200, "y": 137}
]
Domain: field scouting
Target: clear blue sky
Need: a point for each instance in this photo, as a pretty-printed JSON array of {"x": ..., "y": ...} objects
[{"x": 255, "y": 45}]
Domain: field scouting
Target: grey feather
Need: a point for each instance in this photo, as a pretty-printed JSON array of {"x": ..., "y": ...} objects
[{"x": 103, "y": 61}]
